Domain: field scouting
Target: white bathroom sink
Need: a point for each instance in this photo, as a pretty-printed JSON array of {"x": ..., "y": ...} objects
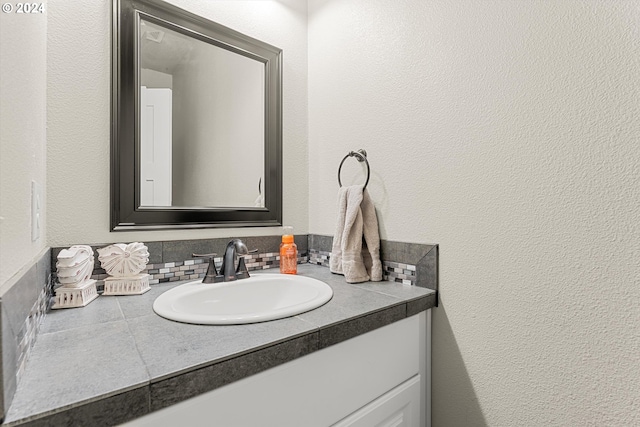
[{"x": 258, "y": 298}]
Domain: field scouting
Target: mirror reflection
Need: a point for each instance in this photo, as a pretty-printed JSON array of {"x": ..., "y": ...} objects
[{"x": 202, "y": 122}]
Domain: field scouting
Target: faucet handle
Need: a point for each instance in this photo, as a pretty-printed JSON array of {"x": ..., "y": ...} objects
[
  {"x": 212, "y": 275},
  {"x": 242, "y": 272},
  {"x": 204, "y": 255},
  {"x": 253, "y": 251}
]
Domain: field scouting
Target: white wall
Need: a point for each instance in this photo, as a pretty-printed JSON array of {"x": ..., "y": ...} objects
[
  {"x": 23, "y": 133},
  {"x": 507, "y": 132},
  {"x": 155, "y": 79},
  {"x": 79, "y": 58}
]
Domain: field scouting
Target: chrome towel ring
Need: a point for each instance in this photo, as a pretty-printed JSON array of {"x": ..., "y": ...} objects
[{"x": 361, "y": 156}]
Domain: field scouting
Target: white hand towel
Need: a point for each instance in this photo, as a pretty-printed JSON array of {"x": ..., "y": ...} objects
[
  {"x": 356, "y": 217},
  {"x": 335, "y": 262},
  {"x": 371, "y": 237}
]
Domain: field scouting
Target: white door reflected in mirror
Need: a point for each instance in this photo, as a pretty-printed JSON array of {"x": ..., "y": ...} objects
[{"x": 155, "y": 146}]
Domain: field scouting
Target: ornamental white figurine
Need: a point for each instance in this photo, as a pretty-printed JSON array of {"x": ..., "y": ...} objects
[
  {"x": 74, "y": 268},
  {"x": 120, "y": 260},
  {"x": 125, "y": 262}
]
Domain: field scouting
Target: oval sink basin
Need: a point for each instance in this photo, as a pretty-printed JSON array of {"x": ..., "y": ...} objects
[{"x": 259, "y": 298}]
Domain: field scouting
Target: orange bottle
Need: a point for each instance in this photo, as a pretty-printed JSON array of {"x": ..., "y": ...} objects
[{"x": 288, "y": 255}]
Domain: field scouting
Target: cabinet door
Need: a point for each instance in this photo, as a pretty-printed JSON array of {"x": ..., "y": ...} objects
[{"x": 399, "y": 407}]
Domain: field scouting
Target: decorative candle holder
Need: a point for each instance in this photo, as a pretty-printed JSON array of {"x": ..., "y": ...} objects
[
  {"x": 74, "y": 268},
  {"x": 124, "y": 263}
]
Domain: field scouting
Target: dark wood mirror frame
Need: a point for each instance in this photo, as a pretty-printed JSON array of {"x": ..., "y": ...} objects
[{"x": 126, "y": 212}]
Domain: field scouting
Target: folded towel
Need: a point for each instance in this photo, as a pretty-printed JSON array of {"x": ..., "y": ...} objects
[{"x": 356, "y": 217}]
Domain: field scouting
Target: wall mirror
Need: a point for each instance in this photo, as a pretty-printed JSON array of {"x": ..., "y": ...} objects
[{"x": 196, "y": 137}]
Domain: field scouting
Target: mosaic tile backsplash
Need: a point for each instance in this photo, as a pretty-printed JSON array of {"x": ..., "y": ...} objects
[
  {"x": 167, "y": 272},
  {"x": 411, "y": 264},
  {"x": 399, "y": 272},
  {"x": 193, "y": 269},
  {"x": 394, "y": 271},
  {"x": 407, "y": 263}
]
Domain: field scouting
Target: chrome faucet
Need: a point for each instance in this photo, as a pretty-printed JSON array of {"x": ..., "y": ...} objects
[
  {"x": 236, "y": 249},
  {"x": 228, "y": 268}
]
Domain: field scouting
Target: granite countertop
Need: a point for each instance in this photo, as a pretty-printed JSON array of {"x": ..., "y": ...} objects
[{"x": 115, "y": 359}]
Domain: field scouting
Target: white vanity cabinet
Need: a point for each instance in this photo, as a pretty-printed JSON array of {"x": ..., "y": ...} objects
[
  {"x": 380, "y": 378},
  {"x": 399, "y": 407}
]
